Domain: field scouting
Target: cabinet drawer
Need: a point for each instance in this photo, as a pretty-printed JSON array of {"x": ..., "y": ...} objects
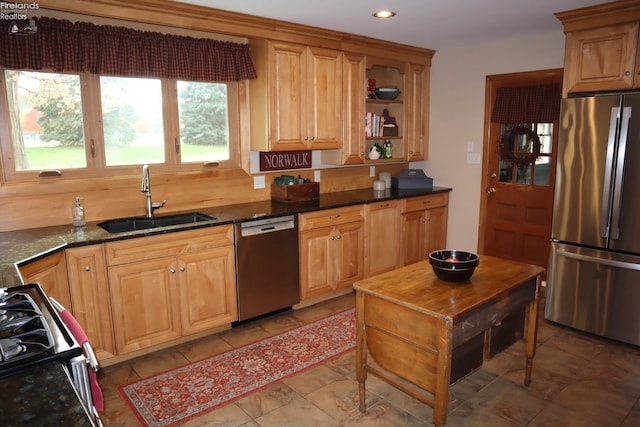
[
  {"x": 144, "y": 248},
  {"x": 424, "y": 202},
  {"x": 407, "y": 324},
  {"x": 330, "y": 217}
]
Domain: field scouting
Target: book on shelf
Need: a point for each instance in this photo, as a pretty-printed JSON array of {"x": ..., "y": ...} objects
[{"x": 374, "y": 125}]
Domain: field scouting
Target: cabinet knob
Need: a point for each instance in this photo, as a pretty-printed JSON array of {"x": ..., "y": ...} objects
[
  {"x": 339, "y": 236},
  {"x": 182, "y": 269},
  {"x": 87, "y": 268},
  {"x": 627, "y": 73},
  {"x": 172, "y": 270}
]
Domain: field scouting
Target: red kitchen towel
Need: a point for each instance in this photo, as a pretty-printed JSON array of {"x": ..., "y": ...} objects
[{"x": 81, "y": 337}]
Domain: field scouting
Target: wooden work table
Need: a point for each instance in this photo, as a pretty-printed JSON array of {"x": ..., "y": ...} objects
[{"x": 415, "y": 327}]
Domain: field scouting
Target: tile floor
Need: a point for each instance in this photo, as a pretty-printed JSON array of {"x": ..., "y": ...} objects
[{"x": 577, "y": 380}]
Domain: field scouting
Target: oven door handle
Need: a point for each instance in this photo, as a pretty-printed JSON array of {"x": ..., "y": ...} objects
[{"x": 91, "y": 356}]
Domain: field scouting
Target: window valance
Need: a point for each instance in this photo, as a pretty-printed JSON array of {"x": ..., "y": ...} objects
[
  {"x": 65, "y": 46},
  {"x": 527, "y": 104}
]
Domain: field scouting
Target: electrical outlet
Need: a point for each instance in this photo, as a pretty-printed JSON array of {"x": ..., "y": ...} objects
[
  {"x": 470, "y": 147},
  {"x": 316, "y": 176},
  {"x": 372, "y": 171},
  {"x": 259, "y": 182}
]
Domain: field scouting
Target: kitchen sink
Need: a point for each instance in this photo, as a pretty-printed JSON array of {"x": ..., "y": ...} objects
[{"x": 122, "y": 225}]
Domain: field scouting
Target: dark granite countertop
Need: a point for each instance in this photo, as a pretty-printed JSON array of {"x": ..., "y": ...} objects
[
  {"x": 41, "y": 396},
  {"x": 56, "y": 402},
  {"x": 21, "y": 246}
]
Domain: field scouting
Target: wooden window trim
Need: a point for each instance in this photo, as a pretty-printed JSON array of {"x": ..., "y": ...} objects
[{"x": 96, "y": 165}]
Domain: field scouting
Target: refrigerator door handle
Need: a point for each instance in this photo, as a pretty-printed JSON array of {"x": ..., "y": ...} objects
[
  {"x": 608, "y": 168},
  {"x": 617, "y": 192},
  {"x": 608, "y": 172},
  {"x": 596, "y": 260}
]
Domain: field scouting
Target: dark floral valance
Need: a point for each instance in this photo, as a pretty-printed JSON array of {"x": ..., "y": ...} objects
[
  {"x": 527, "y": 104},
  {"x": 64, "y": 46}
]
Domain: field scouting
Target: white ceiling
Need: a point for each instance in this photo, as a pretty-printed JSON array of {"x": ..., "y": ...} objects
[{"x": 433, "y": 24}]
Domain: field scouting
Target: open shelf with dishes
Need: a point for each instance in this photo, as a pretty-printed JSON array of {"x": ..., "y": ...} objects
[{"x": 385, "y": 110}]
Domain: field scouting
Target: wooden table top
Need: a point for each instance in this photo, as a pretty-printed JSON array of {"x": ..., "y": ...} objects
[{"x": 417, "y": 287}]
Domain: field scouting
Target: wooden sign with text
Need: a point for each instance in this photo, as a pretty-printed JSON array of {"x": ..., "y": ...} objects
[{"x": 279, "y": 160}]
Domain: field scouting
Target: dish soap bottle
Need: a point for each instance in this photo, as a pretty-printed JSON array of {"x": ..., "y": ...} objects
[{"x": 78, "y": 214}]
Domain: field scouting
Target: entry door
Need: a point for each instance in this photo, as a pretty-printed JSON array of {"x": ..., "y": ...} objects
[
  {"x": 519, "y": 196},
  {"x": 516, "y": 204}
]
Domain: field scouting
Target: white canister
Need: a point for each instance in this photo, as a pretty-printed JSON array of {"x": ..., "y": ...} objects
[
  {"x": 378, "y": 185},
  {"x": 386, "y": 177}
]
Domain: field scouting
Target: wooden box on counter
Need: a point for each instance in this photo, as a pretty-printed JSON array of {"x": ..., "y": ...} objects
[{"x": 295, "y": 192}]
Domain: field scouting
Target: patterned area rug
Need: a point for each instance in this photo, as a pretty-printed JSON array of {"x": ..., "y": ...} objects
[{"x": 175, "y": 396}]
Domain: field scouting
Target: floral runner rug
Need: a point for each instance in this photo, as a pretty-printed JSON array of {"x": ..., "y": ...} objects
[{"x": 175, "y": 396}]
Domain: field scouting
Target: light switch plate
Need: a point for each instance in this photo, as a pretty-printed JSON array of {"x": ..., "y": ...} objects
[
  {"x": 372, "y": 171},
  {"x": 470, "y": 146},
  {"x": 258, "y": 182},
  {"x": 316, "y": 176},
  {"x": 474, "y": 158}
]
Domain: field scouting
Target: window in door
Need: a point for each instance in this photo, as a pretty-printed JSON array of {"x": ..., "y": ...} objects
[{"x": 519, "y": 147}]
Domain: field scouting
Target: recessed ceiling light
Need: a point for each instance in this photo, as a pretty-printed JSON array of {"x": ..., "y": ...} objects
[{"x": 384, "y": 14}]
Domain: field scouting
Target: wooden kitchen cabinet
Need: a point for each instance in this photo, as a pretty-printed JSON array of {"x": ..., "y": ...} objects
[
  {"x": 388, "y": 73},
  {"x": 410, "y": 110},
  {"x": 418, "y": 113},
  {"x": 331, "y": 252},
  {"x": 602, "y": 58},
  {"x": 353, "y": 98},
  {"x": 51, "y": 273},
  {"x": 146, "y": 303},
  {"x": 205, "y": 273},
  {"x": 167, "y": 286},
  {"x": 296, "y": 101},
  {"x": 88, "y": 284},
  {"x": 382, "y": 237},
  {"x": 602, "y": 50},
  {"x": 423, "y": 226}
]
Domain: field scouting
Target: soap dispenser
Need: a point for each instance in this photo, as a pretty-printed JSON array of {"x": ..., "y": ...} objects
[{"x": 78, "y": 213}]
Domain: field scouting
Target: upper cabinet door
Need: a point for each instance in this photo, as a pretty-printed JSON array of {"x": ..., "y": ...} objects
[
  {"x": 324, "y": 96},
  {"x": 602, "y": 58},
  {"x": 287, "y": 100},
  {"x": 296, "y": 102}
]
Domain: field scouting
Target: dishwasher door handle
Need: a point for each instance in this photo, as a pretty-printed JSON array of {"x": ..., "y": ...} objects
[{"x": 269, "y": 225}]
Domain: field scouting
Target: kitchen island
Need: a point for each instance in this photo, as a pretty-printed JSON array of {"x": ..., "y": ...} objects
[{"x": 413, "y": 325}]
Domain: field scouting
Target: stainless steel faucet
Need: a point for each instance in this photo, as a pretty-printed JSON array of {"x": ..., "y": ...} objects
[{"x": 146, "y": 188}]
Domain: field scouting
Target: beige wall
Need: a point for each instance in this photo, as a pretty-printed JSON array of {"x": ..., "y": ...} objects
[{"x": 457, "y": 116}]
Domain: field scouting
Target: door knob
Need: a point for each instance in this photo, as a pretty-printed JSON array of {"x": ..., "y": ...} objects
[{"x": 491, "y": 190}]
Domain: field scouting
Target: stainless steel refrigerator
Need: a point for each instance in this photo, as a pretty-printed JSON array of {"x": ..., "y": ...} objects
[{"x": 593, "y": 282}]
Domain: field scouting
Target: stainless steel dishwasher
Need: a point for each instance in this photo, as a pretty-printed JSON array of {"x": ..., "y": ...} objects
[{"x": 267, "y": 265}]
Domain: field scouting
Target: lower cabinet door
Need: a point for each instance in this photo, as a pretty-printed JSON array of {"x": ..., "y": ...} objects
[
  {"x": 316, "y": 262},
  {"x": 207, "y": 282},
  {"x": 349, "y": 254},
  {"x": 145, "y": 303},
  {"x": 91, "y": 304}
]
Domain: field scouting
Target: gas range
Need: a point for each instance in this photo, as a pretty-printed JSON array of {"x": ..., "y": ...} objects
[{"x": 31, "y": 331}]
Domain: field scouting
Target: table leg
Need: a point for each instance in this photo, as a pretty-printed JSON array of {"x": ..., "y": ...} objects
[
  {"x": 361, "y": 351},
  {"x": 441, "y": 394},
  {"x": 532, "y": 332}
]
